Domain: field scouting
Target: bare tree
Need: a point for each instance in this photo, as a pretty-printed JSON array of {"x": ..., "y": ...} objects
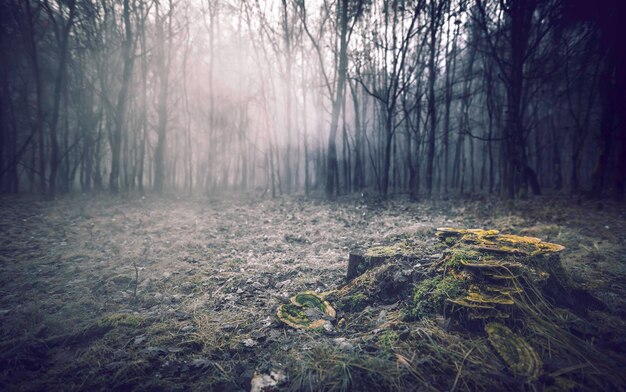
[{"x": 121, "y": 109}]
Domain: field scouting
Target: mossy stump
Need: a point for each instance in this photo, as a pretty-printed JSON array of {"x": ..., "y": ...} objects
[
  {"x": 508, "y": 294},
  {"x": 361, "y": 261},
  {"x": 501, "y": 274}
]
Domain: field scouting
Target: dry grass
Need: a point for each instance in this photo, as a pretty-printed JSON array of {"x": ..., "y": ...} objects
[{"x": 211, "y": 273}]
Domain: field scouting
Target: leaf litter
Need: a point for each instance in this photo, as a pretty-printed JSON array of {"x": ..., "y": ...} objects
[{"x": 147, "y": 293}]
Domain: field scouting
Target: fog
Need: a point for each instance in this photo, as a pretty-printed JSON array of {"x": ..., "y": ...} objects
[
  {"x": 287, "y": 96},
  {"x": 312, "y": 195}
]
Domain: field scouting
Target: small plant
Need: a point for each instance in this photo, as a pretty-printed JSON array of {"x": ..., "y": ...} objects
[
  {"x": 404, "y": 248},
  {"x": 358, "y": 302},
  {"x": 459, "y": 255},
  {"x": 353, "y": 303},
  {"x": 121, "y": 320},
  {"x": 388, "y": 340}
]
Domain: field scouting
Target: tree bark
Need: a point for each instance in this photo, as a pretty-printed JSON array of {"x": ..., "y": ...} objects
[
  {"x": 435, "y": 12},
  {"x": 332, "y": 169},
  {"x": 162, "y": 65},
  {"x": 58, "y": 88},
  {"x": 121, "y": 107}
]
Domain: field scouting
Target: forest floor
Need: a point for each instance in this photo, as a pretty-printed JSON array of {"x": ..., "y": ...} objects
[{"x": 100, "y": 293}]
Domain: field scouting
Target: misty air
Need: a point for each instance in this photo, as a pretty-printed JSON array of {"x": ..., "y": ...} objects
[{"x": 312, "y": 195}]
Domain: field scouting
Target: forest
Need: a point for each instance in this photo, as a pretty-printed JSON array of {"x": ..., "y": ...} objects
[
  {"x": 327, "y": 195},
  {"x": 419, "y": 98}
]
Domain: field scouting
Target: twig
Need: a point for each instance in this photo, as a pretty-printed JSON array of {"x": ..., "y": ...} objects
[
  {"x": 458, "y": 373},
  {"x": 143, "y": 254},
  {"x": 132, "y": 300},
  {"x": 221, "y": 287},
  {"x": 569, "y": 369}
]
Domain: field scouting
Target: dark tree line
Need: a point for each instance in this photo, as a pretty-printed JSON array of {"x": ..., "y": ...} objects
[{"x": 423, "y": 97}]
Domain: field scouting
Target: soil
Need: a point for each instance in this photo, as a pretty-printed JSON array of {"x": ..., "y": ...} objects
[{"x": 146, "y": 293}]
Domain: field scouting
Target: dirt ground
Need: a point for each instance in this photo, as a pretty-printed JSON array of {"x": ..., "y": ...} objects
[{"x": 146, "y": 293}]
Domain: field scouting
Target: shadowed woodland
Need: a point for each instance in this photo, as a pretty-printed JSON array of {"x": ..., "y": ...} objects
[
  {"x": 271, "y": 195},
  {"x": 427, "y": 97}
]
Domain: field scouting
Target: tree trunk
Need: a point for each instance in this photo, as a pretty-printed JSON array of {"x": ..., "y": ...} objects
[
  {"x": 520, "y": 14},
  {"x": 387, "y": 154},
  {"x": 607, "y": 123},
  {"x": 432, "y": 112},
  {"x": 56, "y": 105},
  {"x": 358, "y": 163},
  {"x": 331, "y": 170},
  {"x": 162, "y": 64},
  {"x": 288, "y": 104},
  {"x": 39, "y": 117},
  {"x": 121, "y": 107}
]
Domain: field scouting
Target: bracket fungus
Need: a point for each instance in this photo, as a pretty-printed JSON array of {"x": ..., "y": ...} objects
[
  {"x": 505, "y": 277},
  {"x": 516, "y": 353},
  {"x": 493, "y": 241},
  {"x": 482, "y": 283},
  {"x": 307, "y": 310},
  {"x": 499, "y": 270}
]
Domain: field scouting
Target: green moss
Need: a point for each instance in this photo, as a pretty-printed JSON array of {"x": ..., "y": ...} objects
[
  {"x": 404, "y": 248},
  {"x": 405, "y": 315},
  {"x": 353, "y": 303},
  {"x": 388, "y": 340},
  {"x": 358, "y": 302},
  {"x": 121, "y": 320},
  {"x": 460, "y": 255},
  {"x": 381, "y": 251},
  {"x": 430, "y": 295},
  {"x": 441, "y": 246}
]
